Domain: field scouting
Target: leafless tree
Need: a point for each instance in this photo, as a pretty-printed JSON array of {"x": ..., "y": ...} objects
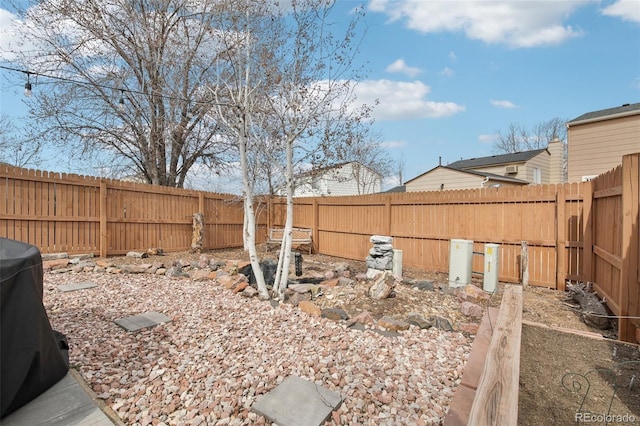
[
  {"x": 285, "y": 74},
  {"x": 518, "y": 138},
  {"x": 15, "y": 149},
  {"x": 130, "y": 81},
  {"x": 399, "y": 168}
]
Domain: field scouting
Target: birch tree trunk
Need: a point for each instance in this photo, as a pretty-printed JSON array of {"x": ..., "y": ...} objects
[
  {"x": 250, "y": 218},
  {"x": 285, "y": 250}
]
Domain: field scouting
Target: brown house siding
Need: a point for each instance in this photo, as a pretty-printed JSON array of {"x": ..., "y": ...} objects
[
  {"x": 451, "y": 179},
  {"x": 597, "y": 147}
]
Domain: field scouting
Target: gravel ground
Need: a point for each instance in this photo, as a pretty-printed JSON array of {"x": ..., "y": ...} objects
[{"x": 221, "y": 351}]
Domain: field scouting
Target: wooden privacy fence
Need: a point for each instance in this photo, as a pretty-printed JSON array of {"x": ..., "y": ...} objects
[
  {"x": 612, "y": 235},
  {"x": 548, "y": 217},
  {"x": 583, "y": 231},
  {"x": 80, "y": 214}
]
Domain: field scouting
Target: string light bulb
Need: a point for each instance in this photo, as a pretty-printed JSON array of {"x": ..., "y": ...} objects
[
  {"x": 27, "y": 87},
  {"x": 121, "y": 101}
]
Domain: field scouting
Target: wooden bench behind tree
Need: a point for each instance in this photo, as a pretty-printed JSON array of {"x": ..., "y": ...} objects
[{"x": 300, "y": 236}]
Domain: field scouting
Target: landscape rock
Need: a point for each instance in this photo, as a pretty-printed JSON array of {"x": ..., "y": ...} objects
[
  {"x": 295, "y": 298},
  {"x": 54, "y": 256},
  {"x": 330, "y": 283},
  {"x": 310, "y": 308},
  {"x": 363, "y": 317},
  {"x": 136, "y": 269},
  {"x": 340, "y": 267},
  {"x": 155, "y": 251},
  {"x": 335, "y": 314},
  {"x": 393, "y": 324},
  {"x": 382, "y": 286},
  {"x": 54, "y": 264},
  {"x": 471, "y": 310},
  {"x": 137, "y": 254},
  {"x": 176, "y": 272},
  {"x": 372, "y": 273},
  {"x": 249, "y": 292},
  {"x": 240, "y": 286},
  {"x": 423, "y": 285},
  {"x": 471, "y": 293},
  {"x": 441, "y": 323},
  {"x": 200, "y": 275},
  {"x": 419, "y": 321},
  {"x": 203, "y": 261}
]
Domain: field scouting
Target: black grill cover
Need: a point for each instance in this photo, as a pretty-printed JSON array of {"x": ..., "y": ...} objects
[{"x": 31, "y": 360}]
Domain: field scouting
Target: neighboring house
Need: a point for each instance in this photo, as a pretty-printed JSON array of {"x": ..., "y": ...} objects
[
  {"x": 597, "y": 140},
  {"x": 350, "y": 178},
  {"x": 538, "y": 166}
]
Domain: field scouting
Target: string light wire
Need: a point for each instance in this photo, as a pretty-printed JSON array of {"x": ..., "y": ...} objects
[{"x": 28, "y": 87}]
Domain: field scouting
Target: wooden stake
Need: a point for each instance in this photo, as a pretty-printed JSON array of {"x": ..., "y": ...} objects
[{"x": 524, "y": 264}]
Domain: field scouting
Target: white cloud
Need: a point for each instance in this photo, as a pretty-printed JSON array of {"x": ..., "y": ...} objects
[
  {"x": 447, "y": 72},
  {"x": 403, "y": 100},
  {"x": 453, "y": 57},
  {"x": 8, "y": 27},
  {"x": 502, "y": 104},
  {"x": 513, "y": 23},
  {"x": 393, "y": 144},
  {"x": 401, "y": 66},
  {"x": 627, "y": 10},
  {"x": 487, "y": 139}
]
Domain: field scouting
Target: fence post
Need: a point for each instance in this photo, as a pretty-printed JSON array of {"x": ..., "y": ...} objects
[
  {"x": 587, "y": 231},
  {"x": 316, "y": 232},
  {"x": 201, "y": 202},
  {"x": 629, "y": 299},
  {"x": 561, "y": 236},
  {"x": 103, "y": 218},
  {"x": 387, "y": 216}
]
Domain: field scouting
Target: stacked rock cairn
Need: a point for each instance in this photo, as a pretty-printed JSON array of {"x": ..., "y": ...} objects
[{"x": 380, "y": 256}]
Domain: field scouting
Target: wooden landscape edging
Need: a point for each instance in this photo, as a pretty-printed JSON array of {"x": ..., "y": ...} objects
[{"x": 496, "y": 399}]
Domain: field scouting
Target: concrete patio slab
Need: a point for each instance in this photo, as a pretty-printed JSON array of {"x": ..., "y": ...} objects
[
  {"x": 138, "y": 322},
  {"x": 76, "y": 286},
  {"x": 297, "y": 402},
  {"x": 67, "y": 403}
]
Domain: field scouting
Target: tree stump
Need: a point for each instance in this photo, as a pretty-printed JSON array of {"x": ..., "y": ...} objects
[{"x": 593, "y": 312}]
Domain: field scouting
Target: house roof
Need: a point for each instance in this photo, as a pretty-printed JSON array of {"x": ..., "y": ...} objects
[
  {"x": 491, "y": 176},
  {"x": 606, "y": 114},
  {"x": 399, "y": 188},
  {"x": 321, "y": 170},
  {"x": 513, "y": 157}
]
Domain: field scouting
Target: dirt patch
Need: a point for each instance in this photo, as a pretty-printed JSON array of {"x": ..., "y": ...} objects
[{"x": 568, "y": 379}]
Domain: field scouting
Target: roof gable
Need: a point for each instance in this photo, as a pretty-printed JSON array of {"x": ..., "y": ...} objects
[
  {"x": 491, "y": 176},
  {"x": 320, "y": 171}
]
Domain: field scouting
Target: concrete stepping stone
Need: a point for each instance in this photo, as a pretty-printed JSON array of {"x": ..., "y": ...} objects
[
  {"x": 68, "y": 402},
  {"x": 76, "y": 286},
  {"x": 297, "y": 402},
  {"x": 138, "y": 322}
]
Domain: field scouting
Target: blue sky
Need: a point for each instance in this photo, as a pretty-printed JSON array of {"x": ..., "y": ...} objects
[{"x": 450, "y": 74}]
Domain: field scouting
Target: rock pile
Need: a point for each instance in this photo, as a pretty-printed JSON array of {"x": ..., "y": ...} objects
[
  {"x": 318, "y": 289},
  {"x": 380, "y": 256}
]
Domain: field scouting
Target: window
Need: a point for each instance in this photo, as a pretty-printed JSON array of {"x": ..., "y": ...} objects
[{"x": 537, "y": 176}]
